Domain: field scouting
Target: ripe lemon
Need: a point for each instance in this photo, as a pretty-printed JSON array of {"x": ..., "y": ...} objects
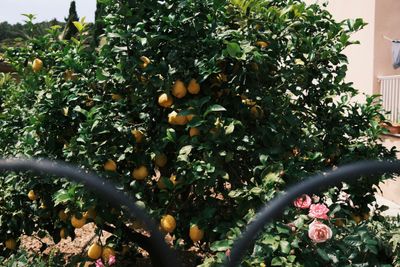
[
  {"x": 37, "y": 65},
  {"x": 161, "y": 185},
  {"x": 179, "y": 89},
  {"x": 173, "y": 180},
  {"x": 63, "y": 233},
  {"x": 90, "y": 214},
  {"x": 160, "y": 160},
  {"x": 356, "y": 218},
  {"x": 32, "y": 195},
  {"x": 261, "y": 44},
  {"x": 365, "y": 215},
  {"x": 168, "y": 223},
  {"x": 339, "y": 223},
  {"x": 140, "y": 173},
  {"x": 146, "y": 61},
  {"x": 69, "y": 75},
  {"x": 107, "y": 253},
  {"x": 116, "y": 97},
  {"x": 190, "y": 117},
  {"x": 11, "y": 244},
  {"x": 194, "y": 131},
  {"x": 195, "y": 233},
  {"x": 110, "y": 166},
  {"x": 78, "y": 223},
  {"x": 62, "y": 215},
  {"x": 175, "y": 119},
  {"x": 257, "y": 112},
  {"x": 193, "y": 87},
  {"x": 94, "y": 251},
  {"x": 138, "y": 134},
  {"x": 165, "y": 100}
]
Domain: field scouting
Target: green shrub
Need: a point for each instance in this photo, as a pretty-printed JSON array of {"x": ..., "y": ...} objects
[{"x": 273, "y": 108}]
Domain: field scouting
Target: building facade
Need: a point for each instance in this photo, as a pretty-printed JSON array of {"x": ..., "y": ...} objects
[{"x": 370, "y": 62}]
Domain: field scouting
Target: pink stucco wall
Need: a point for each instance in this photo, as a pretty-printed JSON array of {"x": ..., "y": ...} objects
[
  {"x": 361, "y": 56},
  {"x": 387, "y": 23}
]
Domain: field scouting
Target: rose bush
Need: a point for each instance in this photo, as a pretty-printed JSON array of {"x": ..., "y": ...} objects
[
  {"x": 303, "y": 202},
  {"x": 318, "y": 211},
  {"x": 203, "y": 111},
  {"x": 319, "y": 232}
]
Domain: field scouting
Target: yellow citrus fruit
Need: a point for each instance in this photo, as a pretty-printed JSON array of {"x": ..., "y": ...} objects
[
  {"x": 160, "y": 160},
  {"x": 249, "y": 102},
  {"x": 161, "y": 185},
  {"x": 195, "y": 233},
  {"x": 179, "y": 89},
  {"x": 107, "y": 253},
  {"x": 37, "y": 65},
  {"x": 32, "y": 195},
  {"x": 146, "y": 61},
  {"x": 110, "y": 165},
  {"x": 138, "y": 134},
  {"x": 78, "y": 223},
  {"x": 62, "y": 215},
  {"x": 190, "y": 117},
  {"x": 193, "y": 87},
  {"x": 168, "y": 223},
  {"x": 94, "y": 251},
  {"x": 356, "y": 218},
  {"x": 173, "y": 180},
  {"x": 257, "y": 112},
  {"x": 175, "y": 119},
  {"x": 63, "y": 233},
  {"x": 116, "y": 97},
  {"x": 339, "y": 223},
  {"x": 140, "y": 173},
  {"x": 90, "y": 214},
  {"x": 262, "y": 44},
  {"x": 194, "y": 131},
  {"x": 165, "y": 100},
  {"x": 69, "y": 75},
  {"x": 11, "y": 244}
]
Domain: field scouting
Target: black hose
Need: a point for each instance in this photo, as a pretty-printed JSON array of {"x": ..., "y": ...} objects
[
  {"x": 104, "y": 189},
  {"x": 313, "y": 184}
]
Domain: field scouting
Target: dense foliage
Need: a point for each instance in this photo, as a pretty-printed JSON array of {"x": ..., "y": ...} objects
[{"x": 273, "y": 108}]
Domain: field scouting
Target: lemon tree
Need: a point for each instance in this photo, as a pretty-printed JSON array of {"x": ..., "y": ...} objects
[{"x": 201, "y": 110}]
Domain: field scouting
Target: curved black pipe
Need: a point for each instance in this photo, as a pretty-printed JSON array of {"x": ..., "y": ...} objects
[
  {"x": 104, "y": 189},
  {"x": 313, "y": 184}
]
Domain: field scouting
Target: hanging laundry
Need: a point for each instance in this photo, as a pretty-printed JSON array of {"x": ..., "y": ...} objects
[{"x": 396, "y": 53}]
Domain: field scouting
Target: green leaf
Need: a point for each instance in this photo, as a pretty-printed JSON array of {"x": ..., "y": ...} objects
[
  {"x": 184, "y": 153},
  {"x": 214, "y": 108},
  {"x": 230, "y": 128},
  {"x": 277, "y": 261},
  {"x": 233, "y": 49},
  {"x": 273, "y": 178},
  {"x": 221, "y": 245},
  {"x": 285, "y": 246},
  {"x": 323, "y": 254},
  {"x": 78, "y": 25}
]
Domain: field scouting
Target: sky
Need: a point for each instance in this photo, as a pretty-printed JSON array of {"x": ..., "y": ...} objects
[{"x": 45, "y": 10}]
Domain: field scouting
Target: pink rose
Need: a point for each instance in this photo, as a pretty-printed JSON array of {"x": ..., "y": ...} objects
[
  {"x": 112, "y": 260},
  {"x": 319, "y": 232},
  {"x": 99, "y": 263},
  {"x": 318, "y": 211},
  {"x": 303, "y": 202},
  {"x": 228, "y": 253}
]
